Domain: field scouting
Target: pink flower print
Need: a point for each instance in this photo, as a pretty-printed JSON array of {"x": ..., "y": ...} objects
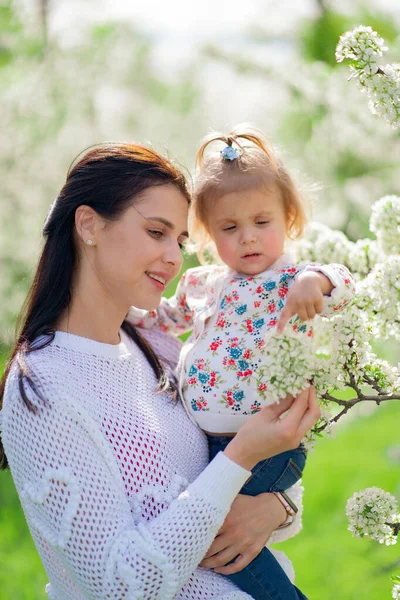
[
  {"x": 294, "y": 327},
  {"x": 249, "y": 325},
  {"x": 271, "y": 307},
  {"x": 228, "y": 299},
  {"x": 272, "y": 322},
  {"x": 310, "y": 333},
  {"x": 231, "y": 362},
  {"x": 257, "y": 304},
  {"x": 250, "y": 278},
  {"x": 213, "y": 377},
  {"x": 183, "y": 300},
  {"x": 153, "y": 314},
  {"x": 247, "y": 354},
  {"x": 283, "y": 291},
  {"x": 164, "y": 327},
  {"x": 188, "y": 317},
  {"x": 192, "y": 381},
  {"x": 259, "y": 290},
  {"x": 262, "y": 387},
  {"x": 221, "y": 321},
  {"x": 261, "y": 344},
  {"x": 192, "y": 280}
]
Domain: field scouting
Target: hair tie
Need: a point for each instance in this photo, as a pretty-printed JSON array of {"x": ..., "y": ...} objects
[{"x": 230, "y": 153}]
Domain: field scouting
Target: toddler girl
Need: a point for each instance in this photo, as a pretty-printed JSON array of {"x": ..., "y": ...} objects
[{"x": 245, "y": 208}]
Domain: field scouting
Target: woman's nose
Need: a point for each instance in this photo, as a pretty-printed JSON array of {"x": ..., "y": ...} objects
[{"x": 173, "y": 255}]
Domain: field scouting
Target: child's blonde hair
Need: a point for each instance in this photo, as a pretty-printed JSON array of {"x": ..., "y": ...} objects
[{"x": 255, "y": 166}]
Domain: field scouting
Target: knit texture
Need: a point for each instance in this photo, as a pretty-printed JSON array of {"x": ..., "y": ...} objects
[{"x": 113, "y": 477}]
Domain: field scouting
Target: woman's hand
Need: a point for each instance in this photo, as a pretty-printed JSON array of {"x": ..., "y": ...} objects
[
  {"x": 266, "y": 434},
  {"x": 306, "y": 297},
  {"x": 244, "y": 533}
]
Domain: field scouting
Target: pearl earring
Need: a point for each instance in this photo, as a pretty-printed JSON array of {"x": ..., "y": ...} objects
[{"x": 89, "y": 242}]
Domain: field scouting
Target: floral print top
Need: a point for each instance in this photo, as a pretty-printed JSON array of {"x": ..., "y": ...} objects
[{"x": 230, "y": 316}]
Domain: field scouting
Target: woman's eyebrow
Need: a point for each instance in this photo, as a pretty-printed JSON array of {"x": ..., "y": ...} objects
[{"x": 166, "y": 223}]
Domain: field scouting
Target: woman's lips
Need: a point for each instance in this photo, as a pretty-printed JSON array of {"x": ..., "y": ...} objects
[{"x": 160, "y": 281}]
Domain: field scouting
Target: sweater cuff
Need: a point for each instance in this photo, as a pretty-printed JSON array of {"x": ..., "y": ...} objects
[
  {"x": 330, "y": 273},
  {"x": 220, "y": 482}
]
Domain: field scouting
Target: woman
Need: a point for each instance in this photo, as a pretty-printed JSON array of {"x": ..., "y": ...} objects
[{"x": 111, "y": 473}]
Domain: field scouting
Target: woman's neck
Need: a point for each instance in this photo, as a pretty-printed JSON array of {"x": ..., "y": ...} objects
[{"x": 93, "y": 313}]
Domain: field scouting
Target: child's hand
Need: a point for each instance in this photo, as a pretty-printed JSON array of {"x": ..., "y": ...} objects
[{"x": 306, "y": 297}]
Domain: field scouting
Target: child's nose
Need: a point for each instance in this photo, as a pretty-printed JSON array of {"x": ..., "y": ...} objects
[{"x": 247, "y": 236}]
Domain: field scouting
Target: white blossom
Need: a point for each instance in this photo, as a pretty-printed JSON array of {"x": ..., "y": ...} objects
[
  {"x": 385, "y": 223},
  {"x": 363, "y": 47},
  {"x": 396, "y": 591},
  {"x": 371, "y": 513},
  {"x": 288, "y": 365}
]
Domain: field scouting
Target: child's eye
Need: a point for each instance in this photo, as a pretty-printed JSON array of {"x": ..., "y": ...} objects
[
  {"x": 230, "y": 228},
  {"x": 262, "y": 222}
]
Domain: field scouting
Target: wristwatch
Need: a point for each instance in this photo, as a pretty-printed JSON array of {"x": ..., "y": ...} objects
[{"x": 289, "y": 506}]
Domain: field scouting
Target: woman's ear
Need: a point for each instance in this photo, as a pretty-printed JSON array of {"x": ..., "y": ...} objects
[{"x": 87, "y": 223}]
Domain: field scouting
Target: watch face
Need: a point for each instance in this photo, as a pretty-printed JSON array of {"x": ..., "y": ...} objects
[{"x": 290, "y": 502}]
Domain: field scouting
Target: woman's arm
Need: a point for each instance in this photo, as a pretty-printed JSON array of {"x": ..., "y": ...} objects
[
  {"x": 76, "y": 507},
  {"x": 251, "y": 523}
]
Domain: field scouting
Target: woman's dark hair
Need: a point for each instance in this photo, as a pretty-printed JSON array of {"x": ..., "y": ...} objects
[{"x": 107, "y": 178}]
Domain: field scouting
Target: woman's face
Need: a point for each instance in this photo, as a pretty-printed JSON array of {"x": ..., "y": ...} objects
[{"x": 138, "y": 255}]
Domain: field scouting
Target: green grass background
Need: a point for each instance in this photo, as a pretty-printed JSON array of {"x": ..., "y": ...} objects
[{"x": 329, "y": 563}]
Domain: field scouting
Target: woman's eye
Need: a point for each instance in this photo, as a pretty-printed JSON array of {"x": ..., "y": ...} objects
[
  {"x": 156, "y": 233},
  {"x": 230, "y": 228}
]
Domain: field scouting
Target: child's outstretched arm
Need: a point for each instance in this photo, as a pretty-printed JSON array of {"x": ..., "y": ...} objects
[
  {"x": 173, "y": 314},
  {"x": 318, "y": 289}
]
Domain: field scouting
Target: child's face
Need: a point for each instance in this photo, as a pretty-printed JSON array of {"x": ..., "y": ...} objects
[{"x": 249, "y": 229}]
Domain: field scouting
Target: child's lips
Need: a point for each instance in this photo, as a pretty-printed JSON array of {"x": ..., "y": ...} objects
[{"x": 253, "y": 256}]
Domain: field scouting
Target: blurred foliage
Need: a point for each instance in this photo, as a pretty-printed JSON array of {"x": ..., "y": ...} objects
[
  {"x": 318, "y": 38},
  {"x": 321, "y": 121},
  {"x": 58, "y": 101}
]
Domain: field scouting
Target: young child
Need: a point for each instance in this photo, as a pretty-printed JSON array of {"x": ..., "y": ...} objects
[{"x": 245, "y": 208}]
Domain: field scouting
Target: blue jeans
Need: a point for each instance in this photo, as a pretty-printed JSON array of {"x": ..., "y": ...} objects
[{"x": 264, "y": 578}]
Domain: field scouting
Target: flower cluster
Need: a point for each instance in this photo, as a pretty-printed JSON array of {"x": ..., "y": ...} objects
[
  {"x": 379, "y": 297},
  {"x": 363, "y": 47},
  {"x": 385, "y": 223},
  {"x": 322, "y": 244},
  {"x": 373, "y": 513},
  {"x": 288, "y": 365},
  {"x": 340, "y": 353},
  {"x": 396, "y": 587}
]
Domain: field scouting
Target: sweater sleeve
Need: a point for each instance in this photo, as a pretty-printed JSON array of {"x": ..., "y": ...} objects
[
  {"x": 172, "y": 315},
  {"x": 76, "y": 506},
  {"x": 344, "y": 286}
]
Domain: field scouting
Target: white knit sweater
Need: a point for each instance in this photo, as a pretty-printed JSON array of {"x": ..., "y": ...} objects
[{"x": 113, "y": 477}]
